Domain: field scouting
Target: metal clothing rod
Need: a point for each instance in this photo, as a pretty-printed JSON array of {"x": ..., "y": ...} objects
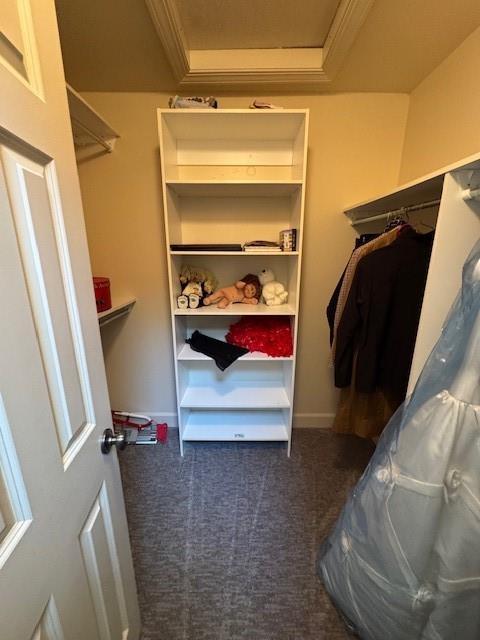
[
  {"x": 386, "y": 214},
  {"x": 471, "y": 194},
  {"x": 107, "y": 146}
]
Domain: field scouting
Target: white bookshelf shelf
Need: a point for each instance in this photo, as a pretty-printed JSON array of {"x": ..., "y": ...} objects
[
  {"x": 235, "y": 253},
  {"x": 238, "y": 188},
  {"x": 231, "y": 176},
  {"x": 236, "y": 425},
  {"x": 186, "y": 353},
  {"x": 239, "y": 309},
  {"x": 236, "y": 396}
]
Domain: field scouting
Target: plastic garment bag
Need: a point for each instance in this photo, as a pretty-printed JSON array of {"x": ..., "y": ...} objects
[{"x": 403, "y": 561}]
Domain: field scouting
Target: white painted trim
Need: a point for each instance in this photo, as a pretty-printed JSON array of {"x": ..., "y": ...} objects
[
  {"x": 239, "y": 67},
  {"x": 114, "y": 559},
  {"x": 272, "y": 67},
  {"x": 15, "y": 167},
  {"x": 169, "y": 28},
  {"x": 63, "y": 252},
  {"x": 33, "y": 81},
  {"x": 50, "y": 622},
  {"x": 348, "y": 21},
  {"x": 90, "y": 559},
  {"x": 15, "y": 487}
]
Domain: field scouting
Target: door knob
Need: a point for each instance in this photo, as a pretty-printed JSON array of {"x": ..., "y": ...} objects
[{"x": 109, "y": 438}]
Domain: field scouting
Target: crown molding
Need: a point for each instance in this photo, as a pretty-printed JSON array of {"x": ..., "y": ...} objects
[
  {"x": 169, "y": 29},
  {"x": 348, "y": 21},
  {"x": 239, "y": 68}
]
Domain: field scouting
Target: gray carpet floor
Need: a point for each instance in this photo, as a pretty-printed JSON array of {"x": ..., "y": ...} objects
[{"x": 225, "y": 540}]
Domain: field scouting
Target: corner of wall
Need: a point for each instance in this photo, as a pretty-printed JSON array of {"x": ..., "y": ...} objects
[{"x": 443, "y": 113}]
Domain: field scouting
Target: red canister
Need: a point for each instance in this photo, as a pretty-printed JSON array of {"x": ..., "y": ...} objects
[{"x": 102, "y": 293}]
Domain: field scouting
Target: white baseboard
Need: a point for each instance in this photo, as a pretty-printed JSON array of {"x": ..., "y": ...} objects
[
  {"x": 300, "y": 420},
  {"x": 313, "y": 420}
]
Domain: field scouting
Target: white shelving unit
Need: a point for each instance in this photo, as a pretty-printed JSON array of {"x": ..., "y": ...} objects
[{"x": 229, "y": 176}]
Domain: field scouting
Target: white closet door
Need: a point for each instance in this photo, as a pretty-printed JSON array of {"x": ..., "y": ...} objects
[{"x": 65, "y": 564}]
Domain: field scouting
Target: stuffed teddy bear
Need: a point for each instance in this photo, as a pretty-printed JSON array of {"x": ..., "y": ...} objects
[
  {"x": 198, "y": 275},
  {"x": 273, "y": 292},
  {"x": 246, "y": 290}
]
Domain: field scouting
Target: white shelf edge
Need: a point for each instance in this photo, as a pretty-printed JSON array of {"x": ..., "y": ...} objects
[
  {"x": 239, "y": 309},
  {"x": 187, "y": 354},
  {"x": 234, "y": 253},
  {"x": 116, "y": 311},
  {"x": 250, "y": 183},
  {"x": 277, "y": 110},
  {"x": 236, "y": 188},
  {"x": 270, "y": 427},
  {"x": 359, "y": 210},
  {"x": 249, "y": 396},
  {"x": 87, "y": 123},
  {"x": 189, "y": 435}
]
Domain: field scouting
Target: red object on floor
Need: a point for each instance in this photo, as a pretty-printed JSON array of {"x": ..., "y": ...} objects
[
  {"x": 162, "y": 432},
  {"x": 271, "y": 335},
  {"x": 103, "y": 298}
]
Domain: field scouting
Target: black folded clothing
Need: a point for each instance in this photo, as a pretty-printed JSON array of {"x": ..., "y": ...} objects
[{"x": 223, "y": 353}]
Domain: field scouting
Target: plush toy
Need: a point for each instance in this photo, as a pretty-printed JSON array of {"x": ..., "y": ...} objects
[
  {"x": 273, "y": 292},
  {"x": 201, "y": 276},
  {"x": 246, "y": 290},
  {"x": 193, "y": 287}
]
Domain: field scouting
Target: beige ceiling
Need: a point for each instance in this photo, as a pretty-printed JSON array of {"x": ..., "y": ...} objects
[
  {"x": 112, "y": 45},
  {"x": 255, "y": 24}
]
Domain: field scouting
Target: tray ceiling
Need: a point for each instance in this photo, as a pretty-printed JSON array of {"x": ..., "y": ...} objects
[
  {"x": 232, "y": 44},
  {"x": 256, "y": 24},
  {"x": 113, "y": 46}
]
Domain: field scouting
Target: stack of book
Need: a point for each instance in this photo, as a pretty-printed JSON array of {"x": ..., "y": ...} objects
[
  {"x": 288, "y": 240},
  {"x": 262, "y": 246}
]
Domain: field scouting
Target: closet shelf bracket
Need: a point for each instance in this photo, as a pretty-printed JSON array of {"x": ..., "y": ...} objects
[{"x": 471, "y": 194}]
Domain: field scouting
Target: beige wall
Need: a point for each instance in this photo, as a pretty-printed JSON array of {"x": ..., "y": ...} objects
[
  {"x": 354, "y": 152},
  {"x": 443, "y": 120}
]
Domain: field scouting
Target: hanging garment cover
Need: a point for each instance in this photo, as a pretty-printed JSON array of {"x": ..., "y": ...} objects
[
  {"x": 381, "y": 316},
  {"x": 403, "y": 561}
]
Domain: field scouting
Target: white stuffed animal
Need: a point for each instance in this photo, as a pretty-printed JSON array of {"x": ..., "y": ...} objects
[{"x": 273, "y": 291}]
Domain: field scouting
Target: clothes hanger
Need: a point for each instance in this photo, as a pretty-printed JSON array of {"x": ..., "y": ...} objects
[{"x": 397, "y": 219}]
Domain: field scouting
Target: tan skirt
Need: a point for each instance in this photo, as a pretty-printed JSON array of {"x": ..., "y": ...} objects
[{"x": 364, "y": 414}]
